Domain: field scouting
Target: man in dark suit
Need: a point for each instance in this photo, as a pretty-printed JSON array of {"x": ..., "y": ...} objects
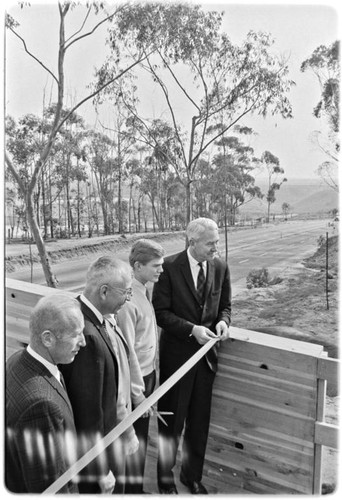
[
  {"x": 192, "y": 301},
  {"x": 40, "y": 432},
  {"x": 92, "y": 380}
]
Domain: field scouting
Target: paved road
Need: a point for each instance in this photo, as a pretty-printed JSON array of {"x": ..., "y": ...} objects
[{"x": 275, "y": 247}]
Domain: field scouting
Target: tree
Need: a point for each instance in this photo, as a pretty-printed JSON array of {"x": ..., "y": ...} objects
[
  {"x": 220, "y": 78},
  {"x": 274, "y": 172},
  {"x": 27, "y": 188},
  {"x": 101, "y": 155},
  {"x": 324, "y": 62},
  {"x": 286, "y": 209}
]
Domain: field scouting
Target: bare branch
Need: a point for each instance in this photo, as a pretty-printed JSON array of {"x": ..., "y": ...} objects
[
  {"x": 33, "y": 56},
  {"x": 109, "y": 17},
  {"x": 96, "y": 92}
]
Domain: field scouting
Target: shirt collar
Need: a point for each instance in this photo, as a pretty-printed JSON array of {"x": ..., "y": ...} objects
[
  {"x": 139, "y": 285},
  {"x": 92, "y": 308},
  {"x": 53, "y": 369}
]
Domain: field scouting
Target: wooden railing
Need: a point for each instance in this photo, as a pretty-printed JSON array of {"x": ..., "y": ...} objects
[{"x": 267, "y": 426}]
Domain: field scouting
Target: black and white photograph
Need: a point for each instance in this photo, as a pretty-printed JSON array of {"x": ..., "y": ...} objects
[{"x": 171, "y": 220}]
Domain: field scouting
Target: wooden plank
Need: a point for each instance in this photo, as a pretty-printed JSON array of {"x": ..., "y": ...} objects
[
  {"x": 326, "y": 435},
  {"x": 270, "y": 440},
  {"x": 318, "y": 452},
  {"x": 268, "y": 340},
  {"x": 268, "y": 389},
  {"x": 242, "y": 414},
  {"x": 28, "y": 294},
  {"x": 328, "y": 369},
  {"x": 285, "y": 477},
  {"x": 269, "y": 358}
]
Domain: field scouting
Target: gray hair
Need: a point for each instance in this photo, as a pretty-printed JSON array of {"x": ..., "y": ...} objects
[
  {"x": 198, "y": 226},
  {"x": 144, "y": 251},
  {"x": 55, "y": 313},
  {"x": 105, "y": 268}
]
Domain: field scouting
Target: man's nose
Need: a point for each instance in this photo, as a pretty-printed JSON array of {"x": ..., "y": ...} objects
[{"x": 82, "y": 341}]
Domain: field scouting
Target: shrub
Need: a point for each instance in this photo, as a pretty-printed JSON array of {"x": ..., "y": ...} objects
[{"x": 258, "y": 278}]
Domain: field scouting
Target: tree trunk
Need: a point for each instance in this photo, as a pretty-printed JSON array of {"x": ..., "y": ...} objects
[
  {"x": 188, "y": 202},
  {"x": 44, "y": 258}
]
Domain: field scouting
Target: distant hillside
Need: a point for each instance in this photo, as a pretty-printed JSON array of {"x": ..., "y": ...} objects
[{"x": 303, "y": 196}]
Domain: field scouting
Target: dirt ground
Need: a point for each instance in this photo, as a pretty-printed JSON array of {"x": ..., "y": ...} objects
[{"x": 310, "y": 314}]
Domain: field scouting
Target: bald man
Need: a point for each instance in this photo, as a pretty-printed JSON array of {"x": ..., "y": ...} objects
[
  {"x": 40, "y": 430},
  {"x": 98, "y": 382}
]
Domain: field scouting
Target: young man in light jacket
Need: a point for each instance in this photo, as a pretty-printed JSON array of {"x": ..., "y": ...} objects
[{"x": 138, "y": 324}]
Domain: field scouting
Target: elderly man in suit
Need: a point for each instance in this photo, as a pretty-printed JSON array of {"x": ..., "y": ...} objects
[
  {"x": 40, "y": 432},
  {"x": 98, "y": 381},
  {"x": 192, "y": 301}
]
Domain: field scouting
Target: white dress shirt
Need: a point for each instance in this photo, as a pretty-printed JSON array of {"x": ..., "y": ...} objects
[
  {"x": 195, "y": 267},
  {"x": 53, "y": 369}
]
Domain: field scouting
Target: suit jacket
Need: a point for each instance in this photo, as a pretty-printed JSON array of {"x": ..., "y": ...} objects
[
  {"x": 40, "y": 430},
  {"x": 178, "y": 307},
  {"x": 91, "y": 381}
]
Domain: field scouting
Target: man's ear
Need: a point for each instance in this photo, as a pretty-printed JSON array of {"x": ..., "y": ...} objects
[
  {"x": 48, "y": 339},
  {"x": 136, "y": 266},
  {"x": 103, "y": 291}
]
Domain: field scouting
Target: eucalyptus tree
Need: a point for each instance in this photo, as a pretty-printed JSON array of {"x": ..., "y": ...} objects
[
  {"x": 205, "y": 72},
  {"x": 285, "y": 209},
  {"x": 69, "y": 160},
  {"x": 58, "y": 77},
  {"x": 133, "y": 168},
  {"x": 324, "y": 62},
  {"x": 124, "y": 143},
  {"x": 24, "y": 139},
  {"x": 101, "y": 153},
  {"x": 274, "y": 177},
  {"x": 160, "y": 149},
  {"x": 234, "y": 184}
]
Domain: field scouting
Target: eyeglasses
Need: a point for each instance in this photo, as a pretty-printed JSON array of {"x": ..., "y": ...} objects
[{"x": 127, "y": 291}]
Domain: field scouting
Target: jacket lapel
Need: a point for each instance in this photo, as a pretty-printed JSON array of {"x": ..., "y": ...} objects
[
  {"x": 45, "y": 373},
  {"x": 89, "y": 314}
]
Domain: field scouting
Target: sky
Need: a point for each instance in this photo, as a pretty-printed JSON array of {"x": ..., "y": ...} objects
[{"x": 297, "y": 30}]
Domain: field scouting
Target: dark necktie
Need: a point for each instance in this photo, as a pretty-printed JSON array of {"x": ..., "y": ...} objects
[{"x": 200, "y": 282}]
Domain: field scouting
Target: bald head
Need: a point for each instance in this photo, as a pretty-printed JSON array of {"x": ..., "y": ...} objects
[
  {"x": 56, "y": 328},
  {"x": 55, "y": 313}
]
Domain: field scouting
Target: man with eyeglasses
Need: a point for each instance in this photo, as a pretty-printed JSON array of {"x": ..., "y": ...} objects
[
  {"x": 40, "y": 431},
  {"x": 98, "y": 382}
]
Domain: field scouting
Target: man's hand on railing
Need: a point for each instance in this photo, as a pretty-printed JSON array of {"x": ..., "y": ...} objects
[{"x": 222, "y": 330}]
